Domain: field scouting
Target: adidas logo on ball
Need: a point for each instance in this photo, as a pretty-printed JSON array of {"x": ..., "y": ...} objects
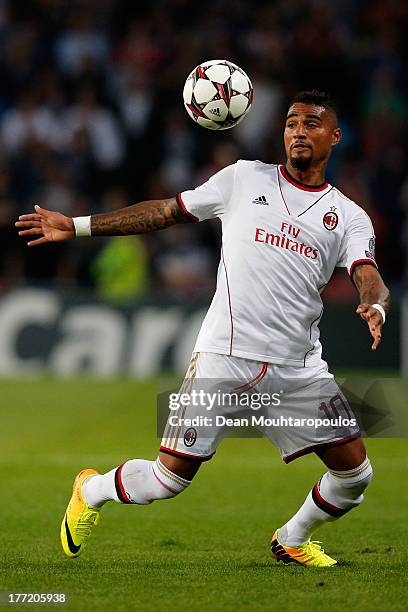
[{"x": 215, "y": 111}]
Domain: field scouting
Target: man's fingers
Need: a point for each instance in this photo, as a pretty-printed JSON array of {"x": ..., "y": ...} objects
[
  {"x": 42, "y": 211},
  {"x": 39, "y": 215},
  {"x": 376, "y": 332},
  {"x": 31, "y": 232},
  {"x": 28, "y": 224},
  {"x": 377, "y": 340},
  {"x": 362, "y": 308},
  {"x": 38, "y": 241},
  {"x": 363, "y": 311},
  {"x": 29, "y": 217}
]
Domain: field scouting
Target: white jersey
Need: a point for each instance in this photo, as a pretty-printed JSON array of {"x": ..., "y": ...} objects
[{"x": 281, "y": 241}]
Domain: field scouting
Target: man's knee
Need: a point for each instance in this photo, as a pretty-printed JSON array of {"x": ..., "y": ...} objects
[
  {"x": 185, "y": 468},
  {"x": 346, "y": 487},
  {"x": 145, "y": 481},
  {"x": 345, "y": 456},
  {"x": 356, "y": 480}
]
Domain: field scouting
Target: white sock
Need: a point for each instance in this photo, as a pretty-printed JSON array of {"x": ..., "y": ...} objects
[
  {"x": 335, "y": 494},
  {"x": 135, "y": 482},
  {"x": 99, "y": 489}
]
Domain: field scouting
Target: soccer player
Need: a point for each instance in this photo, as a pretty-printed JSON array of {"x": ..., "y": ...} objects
[{"x": 284, "y": 230}]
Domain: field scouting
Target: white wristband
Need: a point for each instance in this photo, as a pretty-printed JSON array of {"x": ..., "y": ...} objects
[
  {"x": 380, "y": 309},
  {"x": 82, "y": 226}
]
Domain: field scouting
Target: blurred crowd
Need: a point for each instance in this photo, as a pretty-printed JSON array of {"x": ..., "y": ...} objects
[{"x": 91, "y": 119}]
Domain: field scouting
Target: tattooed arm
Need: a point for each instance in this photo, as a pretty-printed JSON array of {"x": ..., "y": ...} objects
[
  {"x": 372, "y": 290},
  {"x": 139, "y": 218},
  {"x": 136, "y": 219}
]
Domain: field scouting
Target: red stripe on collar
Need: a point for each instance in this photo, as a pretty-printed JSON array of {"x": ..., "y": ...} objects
[{"x": 300, "y": 185}]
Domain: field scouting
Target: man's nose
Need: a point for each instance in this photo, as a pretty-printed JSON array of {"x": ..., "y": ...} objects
[{"x": 300, "y": 131}]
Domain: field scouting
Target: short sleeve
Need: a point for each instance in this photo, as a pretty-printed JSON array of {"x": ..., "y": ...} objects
[
  {"x": 212, "y": 198},
  {"x": 358, "y": 246}
]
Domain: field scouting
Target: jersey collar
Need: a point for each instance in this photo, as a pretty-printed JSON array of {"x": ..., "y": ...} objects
[{"x": 300, "y": 185}]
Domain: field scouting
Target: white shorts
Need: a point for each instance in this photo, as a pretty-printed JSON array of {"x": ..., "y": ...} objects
[{"x": 298, "y": 409}]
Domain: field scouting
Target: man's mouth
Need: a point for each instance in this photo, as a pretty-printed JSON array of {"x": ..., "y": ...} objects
[{"x": 300, "y": 146}]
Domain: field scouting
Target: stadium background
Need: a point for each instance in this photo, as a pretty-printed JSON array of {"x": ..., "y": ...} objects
[{"x": 91, "y": 119}]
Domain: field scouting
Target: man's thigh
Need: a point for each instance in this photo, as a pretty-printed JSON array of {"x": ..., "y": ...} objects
[
  {"x": 192, "y": 431},
  {"x": 313, "y": 413}
]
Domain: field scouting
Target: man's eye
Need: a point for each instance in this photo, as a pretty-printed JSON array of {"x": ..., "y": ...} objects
[
  {"x": 290, "y": 125},
  {"x": 313, "y": 125}
]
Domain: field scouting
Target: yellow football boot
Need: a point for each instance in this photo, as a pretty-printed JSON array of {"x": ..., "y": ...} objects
[
  {"x": 309, "y": 555},
  {"x": 79, "y": 518}
]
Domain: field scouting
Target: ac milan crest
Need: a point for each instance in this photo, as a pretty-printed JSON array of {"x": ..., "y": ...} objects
[
  {"x": 190, "y": 436},
  {"x": 330, "y": 220}
]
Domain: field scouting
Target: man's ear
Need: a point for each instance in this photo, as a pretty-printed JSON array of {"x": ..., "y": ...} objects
[{"x": 336, "y": 137}]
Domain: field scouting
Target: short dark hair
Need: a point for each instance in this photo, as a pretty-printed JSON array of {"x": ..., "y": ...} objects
[{"x": 314, "y": 96}]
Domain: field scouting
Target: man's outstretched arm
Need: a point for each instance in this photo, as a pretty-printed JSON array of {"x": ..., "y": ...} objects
[
  {"x": 139, "y": 218},
  {"x": 372, "y": 291}
]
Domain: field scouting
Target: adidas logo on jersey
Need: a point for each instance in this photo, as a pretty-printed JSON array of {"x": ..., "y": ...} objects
[{"x": 261, "y": 200}]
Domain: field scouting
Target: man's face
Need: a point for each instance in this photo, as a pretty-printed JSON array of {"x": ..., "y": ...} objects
[{"x": 310, "y": 134}]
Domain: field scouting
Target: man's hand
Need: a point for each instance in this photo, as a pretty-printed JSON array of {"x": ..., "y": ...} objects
[
  {"x": 374, "y": 320},
  {"x": 372, "y": 290},
  {"x": 49, "y": 225}
]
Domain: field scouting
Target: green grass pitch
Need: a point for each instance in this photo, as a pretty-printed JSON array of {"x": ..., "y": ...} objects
[{"x": 205, "y": 550}]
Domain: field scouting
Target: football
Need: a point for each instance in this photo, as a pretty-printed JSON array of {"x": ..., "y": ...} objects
[{"x": 217, "y": 94}]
